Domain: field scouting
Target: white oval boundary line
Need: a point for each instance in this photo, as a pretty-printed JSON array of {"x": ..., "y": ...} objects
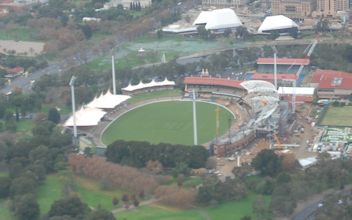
[{"x": 157, "y": 101}]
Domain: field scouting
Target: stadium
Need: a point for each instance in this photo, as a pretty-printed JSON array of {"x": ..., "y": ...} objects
[{"x": 230, "y": 114}]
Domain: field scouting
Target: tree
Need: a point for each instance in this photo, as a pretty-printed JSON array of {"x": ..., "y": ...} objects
[
  {"x": 242, "y": 32},
  {"x": 323, "y": 25},
  {"x": 88, "y": 152},
  {"x": 136, "y": 203},
  {"x": 54, "y": 115},
  {"x": 115, "y": 201},
  {"x": 26, "y": 207},
  {"x": 71, "y": 206},
  {"x": 100, "y": 214},
  {"x": 267, "y": 163},
  {"x": 5, "y": 183}
]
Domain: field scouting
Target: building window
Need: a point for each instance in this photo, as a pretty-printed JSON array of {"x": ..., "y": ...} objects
[{"x": 290, "y": 8}]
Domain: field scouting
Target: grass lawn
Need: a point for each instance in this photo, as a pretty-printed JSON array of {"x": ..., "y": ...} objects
[
  {"x": 90, "y": 192},
  {"x": 338, "y": 116},
  {"x": 226, "y": 211},
  {"x": 87, "y": 189},
  {"x": 49, "y": 192},
  {"x": 24, "y": 125},
  {"x": 17, "y": 34},
  {"x": 168, "y": 122},
  {"x": 153, "y": 95},
  {"x": 5, "y": 213}
]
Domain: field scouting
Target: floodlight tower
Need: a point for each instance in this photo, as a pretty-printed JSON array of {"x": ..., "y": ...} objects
[
  {"x": 113, "y": 75},
  {"x": 275, "y": 71},
  {"x": 294, "y": 88},
  {"x": 73, "y": 102},
  {"x": 195, "y": 131}
]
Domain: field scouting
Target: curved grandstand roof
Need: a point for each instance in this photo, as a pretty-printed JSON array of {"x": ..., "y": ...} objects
[
  {"x": 218, "y": 19},
  {"x": 258, "y": 85},
  {"x": 86, "y": 117},
  {"x": 153, "y": 83},
  {"x": 213, "y": 81},
  {"x": 107, "y": 101},
  {"x": 277, "y": 22}
]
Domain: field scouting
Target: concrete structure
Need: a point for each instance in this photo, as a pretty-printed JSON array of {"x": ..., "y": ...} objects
[
  {"x": 292, "y": 8},
  {"x": 332, "y": 84},
  {"x": 329, "y": 8}
]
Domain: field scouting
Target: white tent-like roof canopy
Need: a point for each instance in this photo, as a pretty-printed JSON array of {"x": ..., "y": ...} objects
[
  {"x": 153, "y": 83},
  {"x": 218, "y": 19},
  {"x": 86, "y": 117},
  {"x": 107, "y": 101},
  {"x": 277, "y": 22}
]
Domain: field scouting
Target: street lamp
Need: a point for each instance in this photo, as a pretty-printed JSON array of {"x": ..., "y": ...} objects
[{"x": 73, "y": 102}]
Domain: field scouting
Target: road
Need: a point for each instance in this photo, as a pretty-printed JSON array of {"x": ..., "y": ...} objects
[
  {"x": 64, "y": 65},
  {"x": 306, "y": 209}
]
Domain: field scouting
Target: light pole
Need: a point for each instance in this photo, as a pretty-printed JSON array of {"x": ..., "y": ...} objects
[
  {"x": 72, "y": 85},
  {"x": 275, "y": 71},
  {"x": 195, "y": 135},
  {"x": 113, "y": 75}
]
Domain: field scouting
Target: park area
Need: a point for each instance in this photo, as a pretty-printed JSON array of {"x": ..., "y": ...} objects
[
  {"x": 338, "y": 116},
  {"x": 168, "y": 122}
]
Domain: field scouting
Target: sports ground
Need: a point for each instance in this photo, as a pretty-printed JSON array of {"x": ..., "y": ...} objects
[
  {"x": 168, "y": 122},
  {"x": 338, "y": 116}
]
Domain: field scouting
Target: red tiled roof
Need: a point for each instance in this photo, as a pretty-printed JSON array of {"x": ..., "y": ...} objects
[
  {"x": 212, "y": 81},
  {"x": 16, "y": 70},
  {"x": 331, "y": 79},
  {"x": 283, "y": 61},
  {"x": 270, "y": 76}
]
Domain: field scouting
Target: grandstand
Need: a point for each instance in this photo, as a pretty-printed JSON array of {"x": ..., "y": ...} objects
[
  {"x": 284, "y": 65},
  {"x": 207, "y": 86},
  {"x": 148, "y": 87},
  {"x": 263, "y": 108}
]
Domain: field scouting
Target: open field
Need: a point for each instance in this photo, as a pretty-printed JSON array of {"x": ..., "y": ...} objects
[
  {"x": 226, "y": 211},
  {"x": 338, "y": 116},
  {"x": 91, "y": 193},
  {"x": 18, "y": 34},
  {"x": 87, "y": 189},
  {"x": 168, "y": 122}
]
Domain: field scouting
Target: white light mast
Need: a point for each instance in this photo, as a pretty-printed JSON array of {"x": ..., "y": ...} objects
[
  {"x": 195, "y": 135},
  {"x": 113, "y": 75},
  {"x": 275, "y": 71},
  {"x": 72, "y": 85}
]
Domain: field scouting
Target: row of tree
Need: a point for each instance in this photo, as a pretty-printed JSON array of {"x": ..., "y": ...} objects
[{"x": 137, "y": 154}]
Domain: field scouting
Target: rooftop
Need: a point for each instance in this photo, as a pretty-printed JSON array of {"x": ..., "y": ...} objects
[
  {"x": 284, "y": 61},
  {"x": 214, "y": 81},
  {"x": 331, "y": 79}
]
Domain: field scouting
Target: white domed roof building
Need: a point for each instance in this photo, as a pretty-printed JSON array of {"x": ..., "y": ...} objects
[
  {"x": 278, "y": 23},
  {"x": 218, "y": 20}
]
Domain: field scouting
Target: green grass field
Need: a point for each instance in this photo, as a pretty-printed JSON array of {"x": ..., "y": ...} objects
[
  {"x": 154, "y": 95},
  {"x": 17, "y": 34},
  {"x": 168, "y": 122},
  {"x": 49, "y": 192},
  {"x": 87, "y": 189},
  {"x": 338, "y": 116},
  {"x": 226, "y": 211},
  {"x": 90, "y": 192}
]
